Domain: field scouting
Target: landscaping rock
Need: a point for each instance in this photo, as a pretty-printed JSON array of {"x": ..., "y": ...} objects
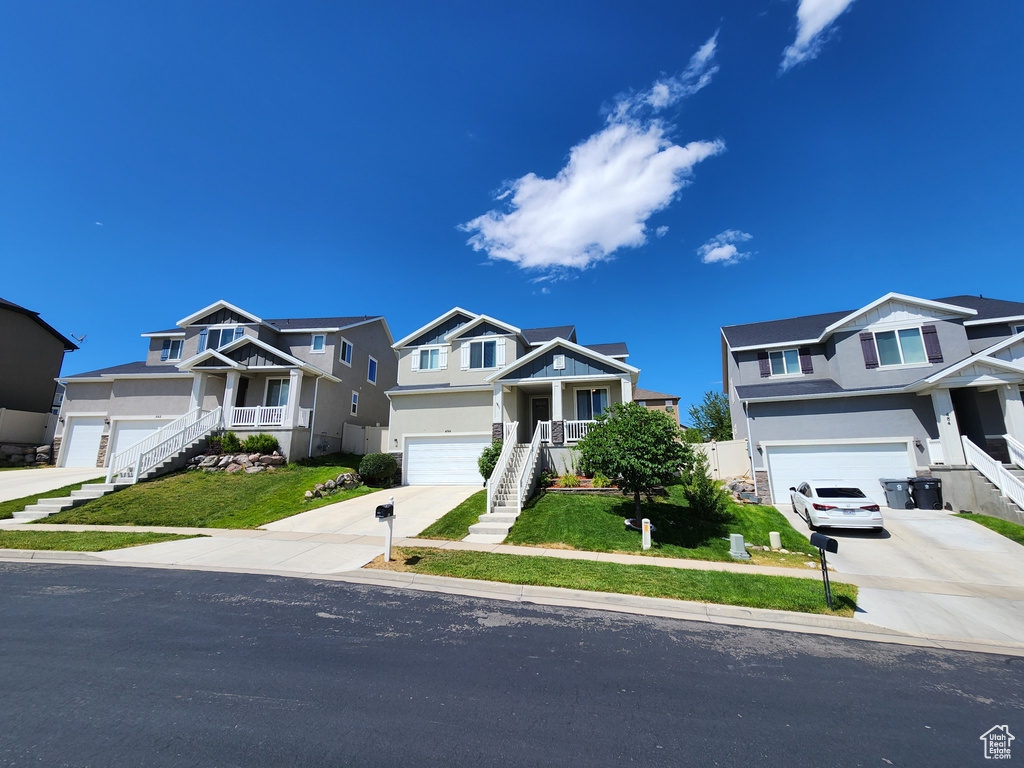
[
  {"x": 317, "y": 494},
  {"x": 246, "y": 463},
  {"x": 17, "y": 458},
  {"x": 232, "y": 468},
  {"x": 272, "y": 461},
  {"x": 42, "y": 457},
  {"x": 330, "y": 485},
  {"x": 309, "y": 495},
  {"x": 253, "y": 470},
  {"x": 43, "y": 449},
  {"x": 209, "y": 461},
  {"x": 11, "y": 449},
  {"x": 319, "y": 487},
  {"x": 253, "y": 457},
  {"x": 225, "y": 460}
]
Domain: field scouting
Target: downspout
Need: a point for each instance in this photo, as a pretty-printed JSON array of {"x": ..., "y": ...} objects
[
  {"x": 750, "y": 444},
  {"x": 312, "y": 416}
]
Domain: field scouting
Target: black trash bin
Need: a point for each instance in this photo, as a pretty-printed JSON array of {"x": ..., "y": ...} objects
[
  {"x": 897, "y": 492},
  {"x": 927, "y": 492}
]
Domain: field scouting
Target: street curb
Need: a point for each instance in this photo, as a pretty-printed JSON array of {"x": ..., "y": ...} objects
[{"x": 44, "y": 555}]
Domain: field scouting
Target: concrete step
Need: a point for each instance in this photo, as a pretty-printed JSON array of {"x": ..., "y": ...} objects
[
  {"x": 88, "y": 492},
  {"x": 484, "y": 538},
  {"x": 62, "y": 502},
  {"x": 30, "y": 513},
  {"x": 501, "y": 518},
  {"x": 490, "y": 529}
]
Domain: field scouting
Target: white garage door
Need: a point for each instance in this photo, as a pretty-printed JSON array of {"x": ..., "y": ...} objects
[
  {"x": 82, "y": 441},
  {"x": 863, "y": 464},
  {"x": 444, "y": 461},
  {"x": 127, "y": 433}
]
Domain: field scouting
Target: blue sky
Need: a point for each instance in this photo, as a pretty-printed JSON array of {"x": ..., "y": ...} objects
[{"x": 649, "y": 173}]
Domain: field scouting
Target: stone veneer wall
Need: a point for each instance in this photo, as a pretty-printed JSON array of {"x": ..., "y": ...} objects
[
  {"x": 497, "y": 431},
  {"x": 762, "y": 488},
  {"x": 557, "y": 432},
  {"x": 102, "y": 457}
]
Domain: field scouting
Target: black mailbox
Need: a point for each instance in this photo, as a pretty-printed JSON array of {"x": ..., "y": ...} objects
[
  {"x": 385, "y": 511},
  {"x": 823, "y": 542}
]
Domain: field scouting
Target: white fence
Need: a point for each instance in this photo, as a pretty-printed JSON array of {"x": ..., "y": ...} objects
[
  {"x": 727, "y": 458},
  {"x": 26, "y": 427},
  {"x": 364, "y": 440}
]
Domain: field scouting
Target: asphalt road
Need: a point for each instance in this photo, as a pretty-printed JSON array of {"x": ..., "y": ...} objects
[{"x": 105, "y": 666}]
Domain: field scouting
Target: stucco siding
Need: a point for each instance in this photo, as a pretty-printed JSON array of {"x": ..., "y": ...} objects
[
  {"x": 439, "y": 413},
  {"x": 32, "y": 359}
]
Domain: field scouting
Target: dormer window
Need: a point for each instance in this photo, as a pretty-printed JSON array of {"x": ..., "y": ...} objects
[
  {"x": 785, "y": 362},
  {"x": 319, "y": 344},
  {"x": 215, "y": 338},
  {"x": 171, "y": 350}
]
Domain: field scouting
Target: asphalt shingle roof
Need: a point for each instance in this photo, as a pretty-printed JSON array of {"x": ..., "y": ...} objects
[
  {"x": 126, "y": 368},
  {"x": 988, "y": 309},
  {"x": 290, "y": 324},
  {"x": 616, "y": 349},
  {"x": 799, "y": 389},
  {"x": 649, "y": 394},
  {"x": 540, "y": 335}
]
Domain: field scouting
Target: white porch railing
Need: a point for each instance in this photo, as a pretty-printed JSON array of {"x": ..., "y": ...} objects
[
  {"x": 577, "y": 430},
  {"x": 1016, "y": 449},
  {"x": 544, "y": 427},
  {"x": 503, "y": 458},
  {"x": 530, "y": 471},
  {"x": 1010, "y": 486},
  {"x": 136, "y": 460},
  {"x": 257, "y": 416}
]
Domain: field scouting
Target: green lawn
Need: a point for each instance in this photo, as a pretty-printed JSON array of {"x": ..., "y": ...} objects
[
  {"x": 596, "y": 524},
  {"x": 81, "y": 541},
  {"x": 454, "y": 525},
  {"x": 751, "y": 590},
  {"x": 213, "y": 499},
  {"x": 8, "y": 508},
  {"x": 1010, "y": 530}
]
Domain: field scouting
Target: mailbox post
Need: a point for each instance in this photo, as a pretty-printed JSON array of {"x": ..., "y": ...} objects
[
  {"x": 825, "y": 544},
  {"x": 386, "y": 514}
]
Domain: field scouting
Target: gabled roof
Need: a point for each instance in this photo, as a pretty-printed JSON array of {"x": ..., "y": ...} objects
[
  {"x": 34, "y": 316},
  {"x": 616, "y": 349},
  {"x": 170, "y": 332},
  {"x": 213, "y": 308},
  {"x": 221, "y": 354},
  {"x": 989, "y": 310},
  {"x": 537, "y": 336},
  {"x": 984, "y": 358},
  {"x": 542, "y": 350},
  {"x": 649, "y": 394},
  {"x": 480, "y": 320},
  {"x": 127, "y": 369},
  {"x": 436, "y": 321},
  {"x": 306, "y": 324}
]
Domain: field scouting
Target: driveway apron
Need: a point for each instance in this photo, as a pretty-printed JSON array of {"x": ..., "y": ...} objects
[{"x": 17, "y": 483}]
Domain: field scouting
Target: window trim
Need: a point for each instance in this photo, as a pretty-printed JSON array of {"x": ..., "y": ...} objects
[
  {"x": 482, "y": 343},
  {"x": 787, "y": 372},
  {"x": 428, "y": 349},
  {"x": 354, "y": 404},
  {"x": 899, "y": 345},
  {"x": 371, "y": 361},
  {"x": 170, "y": 350},
  {"x": 344, "y": 344},
  {"x": 576, "y": 400},
  {"x": 323, "y": 344},
  {"x": 233, "y": 327},
  {"x": 266, "y": 390},
  {"x": 1016, "y": 328}
]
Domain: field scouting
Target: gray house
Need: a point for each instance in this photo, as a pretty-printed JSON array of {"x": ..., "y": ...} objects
[
  {"x": 31, "y": 352},
  {"x": 888, "y": 390},
  {"x": 301, "y": 380}
]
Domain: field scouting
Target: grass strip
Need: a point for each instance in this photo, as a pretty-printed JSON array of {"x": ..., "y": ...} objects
[
  {"x": 8, "y": 508},
  {"x": 81, "y": 541},
  {"x": 784, "y": 593},
  {"x": 454, "y": 525},
  {"x": 1012, "y": 531}
]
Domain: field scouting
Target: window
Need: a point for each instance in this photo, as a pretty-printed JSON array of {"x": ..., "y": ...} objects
[
  {"x": 591, "y": 403},
  {"x": 215, "y": 338},
  {"x": 1015, "y": 329},
  {"x": 902, "y": 347},
  {"x": 785, "y": 362},
  {"x": 355, "y": 403},
  {"x": 319, "y": 343},
  {"x": 371, "y": 371},
  {"x": 482, "y": 354},
  {"x": 430, "y": 359},
  {"x": 171, "y": 349},
  {"x": 346, "y": 352},
  {"x": 558, "y": 363},
  {"x": 277, "y": 393}
]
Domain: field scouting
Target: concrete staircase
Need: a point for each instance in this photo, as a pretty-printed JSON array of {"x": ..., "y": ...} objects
[
  {"x": 495, "y": 524},
  {"x": 990, "y": 500}
]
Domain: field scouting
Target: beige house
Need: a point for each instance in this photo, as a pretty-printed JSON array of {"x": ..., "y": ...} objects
[
  {"x": 658, "y": 401},
  {"x": 465, "y": 379},
  {"x": 302, "y": 380}
]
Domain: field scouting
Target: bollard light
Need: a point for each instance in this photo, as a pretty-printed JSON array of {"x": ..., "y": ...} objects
[{"x": 646, "y": 536}]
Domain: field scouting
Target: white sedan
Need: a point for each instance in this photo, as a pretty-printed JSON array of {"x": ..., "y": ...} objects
[{"x": 835, "y": 504}]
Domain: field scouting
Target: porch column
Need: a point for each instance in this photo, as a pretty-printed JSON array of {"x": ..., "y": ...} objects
[
  {"x": 557, "y": 423},
  {"x": 230, "y": 387},
  {"x": 627, "y": 389},
  {"x": 1013, "y": 411},
  {"x": 949, "y": 430},
  {"x": 198, "y": 390},
  {"x": 291, "y": 409}
]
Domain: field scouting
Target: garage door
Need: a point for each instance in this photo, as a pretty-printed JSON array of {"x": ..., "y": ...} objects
[
  {"x": 82, "y": 441},
  {"x": 444, "y": 461},
  {"x": 862, "y": 464},
  {"x": 127, "y": 433}
]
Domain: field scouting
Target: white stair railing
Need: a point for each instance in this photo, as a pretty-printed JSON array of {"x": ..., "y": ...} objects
[
  {"x": 1016, "y": 449},
  {"x": 577, "y": 430},
  {"x": 545, "y": 431},
  {"x": 150, "y": 456},
  {"x": 530, "y": 470},
  {"x": 124, "y": 460},
  {"x": 1009, "y": 485},
  {"x": 502, "y": 465}
]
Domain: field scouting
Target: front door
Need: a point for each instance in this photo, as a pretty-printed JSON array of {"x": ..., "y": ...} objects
[
  {"x": 241, "y": 390},
  {"x": 540, "y": 410}
]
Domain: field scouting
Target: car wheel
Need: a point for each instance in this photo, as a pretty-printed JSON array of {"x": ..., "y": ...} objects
[{"x": 810, "y": 524}]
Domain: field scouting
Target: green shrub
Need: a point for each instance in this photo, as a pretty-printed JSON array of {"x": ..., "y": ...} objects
[
  {"x": 489, "y": 458},
  {"x": 378, "y": 468},
  {"x": 569, "y": 480},
  {"x": 547, "y": 478},
  {"x": 706, "y": 498},
  {"x": 226, "y": 443},
  {"x": 601, "y": 481},
  {"x": 261, "y": 443}
]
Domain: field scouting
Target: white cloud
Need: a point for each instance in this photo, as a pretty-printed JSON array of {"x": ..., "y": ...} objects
[
  {"x": 813, "y": 19},
  {"x": 661, "y": 231},
  {"x": 610, "y": 186},
  {"x": 721, "y": 249}
]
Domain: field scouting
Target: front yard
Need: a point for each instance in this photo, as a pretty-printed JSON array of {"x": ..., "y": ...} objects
[
  {"x": 215, "y": 500},
  {"x": 82, "y": 541}
]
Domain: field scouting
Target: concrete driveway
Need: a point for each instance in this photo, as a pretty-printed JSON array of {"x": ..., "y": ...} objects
[
  {"x": 932, "y": 573},
  {"x": 416, "y": 507},
  {"x": 16, "y": 483}
]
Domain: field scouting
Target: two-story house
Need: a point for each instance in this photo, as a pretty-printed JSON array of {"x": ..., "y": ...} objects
[
  {"x": 31, "y": 354},
  {"x": 887, "y": 390},
  {"x": 465, "y": 379},
  {"x": 298, "y": 379}
]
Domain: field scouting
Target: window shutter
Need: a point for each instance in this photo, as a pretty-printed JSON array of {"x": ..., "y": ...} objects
[
  {"x": 867, "y": 348},
  {"x": 465, "y": 357},
  {"x": 166, "y": 351},
  {"x": 499, "y": 353},
  {"x": 931, "y": 344},
  {"x": 415, "y": 359},
  {"x": 239, "y": 332},
  {"x": 806, "y": 366},
  {"x": 442, "y": 358},
  {"x": 766, "y": 368},
  {"x": 202, "y": 338}
]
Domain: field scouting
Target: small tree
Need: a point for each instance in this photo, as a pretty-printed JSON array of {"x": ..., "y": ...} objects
[
  {"x": 640, "y": 447},
  {"x": 711, "y": 417},
  {"x": 489, "y": 459}
]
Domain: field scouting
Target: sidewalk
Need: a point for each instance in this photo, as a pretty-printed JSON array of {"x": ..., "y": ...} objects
[{"x": 341, "y": 557}]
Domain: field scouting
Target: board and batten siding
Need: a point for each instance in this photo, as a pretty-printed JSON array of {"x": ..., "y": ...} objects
[{"x": 576, "y": 364}]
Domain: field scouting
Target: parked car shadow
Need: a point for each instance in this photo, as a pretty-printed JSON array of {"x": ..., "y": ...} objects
[{"x": 855, "y": 533}]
